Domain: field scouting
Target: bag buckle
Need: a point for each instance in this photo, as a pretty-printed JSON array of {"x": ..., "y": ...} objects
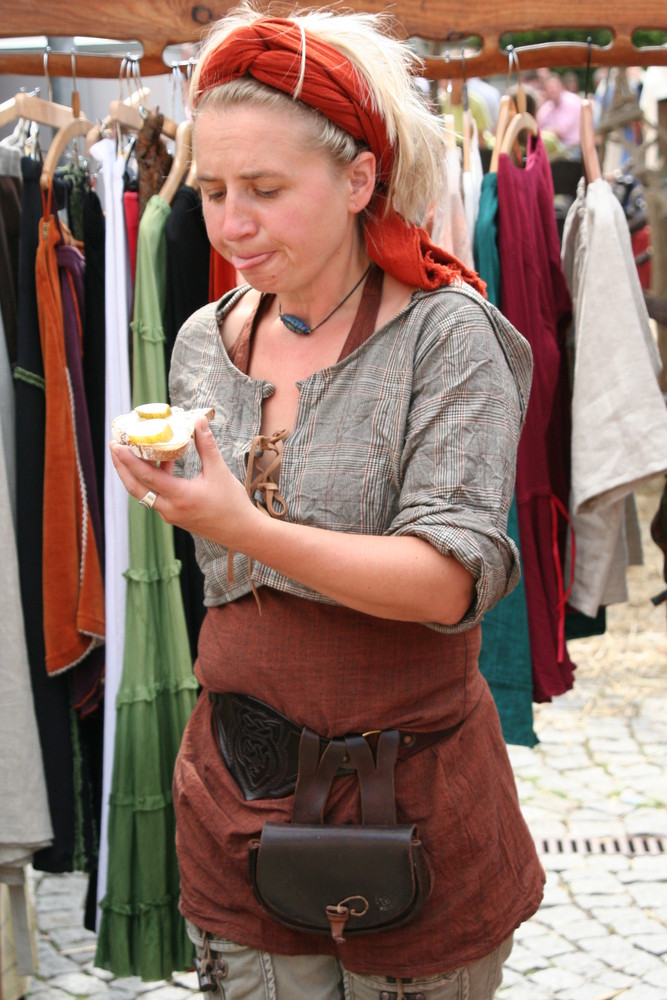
[{"x": 339, "y": 915}]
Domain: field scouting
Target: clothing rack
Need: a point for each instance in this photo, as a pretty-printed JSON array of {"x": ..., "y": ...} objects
[{"x": 174, "y": 22}]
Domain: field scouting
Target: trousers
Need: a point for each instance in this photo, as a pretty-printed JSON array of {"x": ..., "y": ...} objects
[{"x": 248, "y": 974}]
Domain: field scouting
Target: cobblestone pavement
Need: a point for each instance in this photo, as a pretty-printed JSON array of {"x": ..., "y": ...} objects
[{"x": 594, "y": 795}]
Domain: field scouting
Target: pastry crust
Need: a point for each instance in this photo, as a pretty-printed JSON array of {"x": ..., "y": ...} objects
[{"x": 182, "y": 423}]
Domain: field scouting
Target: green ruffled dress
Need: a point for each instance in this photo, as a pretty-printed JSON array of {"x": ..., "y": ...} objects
[{"x": 141, "y": 931}]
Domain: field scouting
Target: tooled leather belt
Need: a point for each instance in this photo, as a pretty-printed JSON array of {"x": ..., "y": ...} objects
[{"x": 260, "y": 746}]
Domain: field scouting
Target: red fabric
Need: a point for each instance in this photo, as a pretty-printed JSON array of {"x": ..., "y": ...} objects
[
  {"x": 221, "y": 276},
  {"x": 131, "y": 209},
  {"x": 641, "y": 245},
  {"x": 270, "y": 50}
]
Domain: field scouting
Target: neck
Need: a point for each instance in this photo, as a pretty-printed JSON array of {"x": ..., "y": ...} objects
[{"x": 297, "y": 324}]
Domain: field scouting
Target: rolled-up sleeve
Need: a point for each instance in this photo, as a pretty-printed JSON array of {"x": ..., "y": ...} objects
[{"x": 471, "y": 378}]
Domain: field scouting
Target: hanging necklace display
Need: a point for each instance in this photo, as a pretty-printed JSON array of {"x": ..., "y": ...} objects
[{"x": 297, "y": 325}]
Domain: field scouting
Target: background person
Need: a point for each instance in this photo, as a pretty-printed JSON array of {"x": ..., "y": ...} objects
[{"x": 560, "y": 112}]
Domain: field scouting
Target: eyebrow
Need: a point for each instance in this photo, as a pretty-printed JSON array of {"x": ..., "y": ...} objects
[
  {"x": 249, "y": 175},
  {"x": 253, "y": 175}
]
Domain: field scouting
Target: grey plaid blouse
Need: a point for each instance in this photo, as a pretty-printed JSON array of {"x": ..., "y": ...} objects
[{"x": 414, "y": 433}]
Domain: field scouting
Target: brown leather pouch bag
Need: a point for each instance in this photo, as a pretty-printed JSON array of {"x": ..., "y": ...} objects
[{"x": 356, "y": 879}]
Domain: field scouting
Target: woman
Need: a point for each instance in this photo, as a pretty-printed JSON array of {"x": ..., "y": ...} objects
[{"x": 370, "y": 401}]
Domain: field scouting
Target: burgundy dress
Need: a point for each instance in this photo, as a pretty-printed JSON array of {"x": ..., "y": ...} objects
[{"x": 536, "y": 299}]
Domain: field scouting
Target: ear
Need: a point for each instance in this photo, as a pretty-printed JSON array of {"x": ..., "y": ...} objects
[{"x": 361, "y": 175}]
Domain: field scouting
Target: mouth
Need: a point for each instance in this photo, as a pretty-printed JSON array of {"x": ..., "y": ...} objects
[{"x": 246, "y": 263}]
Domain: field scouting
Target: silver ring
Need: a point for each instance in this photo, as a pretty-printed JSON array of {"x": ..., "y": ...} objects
[{"x": 148, "y": 500}]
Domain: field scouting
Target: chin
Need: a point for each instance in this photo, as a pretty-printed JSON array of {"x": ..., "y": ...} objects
[{"x": 257, "y": 282}]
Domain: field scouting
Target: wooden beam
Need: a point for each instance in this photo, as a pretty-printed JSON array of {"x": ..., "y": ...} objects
[{"x": 172, "y": 22}]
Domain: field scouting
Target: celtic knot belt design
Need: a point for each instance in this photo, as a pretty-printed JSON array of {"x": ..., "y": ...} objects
[{"x": 260, "y": 746}]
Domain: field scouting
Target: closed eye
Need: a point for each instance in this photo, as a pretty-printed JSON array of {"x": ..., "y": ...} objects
[{"x": 214, "y": 195}]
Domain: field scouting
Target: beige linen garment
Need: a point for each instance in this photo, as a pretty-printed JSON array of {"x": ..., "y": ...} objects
[
  {"x": 25, "y": 820},
  {"x": 619, "y": 417},
  {"x": 449, "y": 228}
]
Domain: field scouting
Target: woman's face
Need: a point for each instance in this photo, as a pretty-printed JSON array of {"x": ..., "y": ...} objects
[{"x": 282, "y": 213}]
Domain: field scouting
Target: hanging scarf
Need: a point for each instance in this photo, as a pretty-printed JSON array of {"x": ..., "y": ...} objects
[{"x": 271, "y": 51}]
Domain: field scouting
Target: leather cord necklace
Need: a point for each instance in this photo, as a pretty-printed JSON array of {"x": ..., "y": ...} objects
[{"x": 297, "y": 325}]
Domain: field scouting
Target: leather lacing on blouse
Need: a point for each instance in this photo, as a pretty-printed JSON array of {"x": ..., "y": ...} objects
[
  {"x": 264, "y": 483},
  {"x": 270, "y": 499}
]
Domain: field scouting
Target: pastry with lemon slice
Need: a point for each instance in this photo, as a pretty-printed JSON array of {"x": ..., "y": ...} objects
[
  {"x": 153, "y": 432},
  {"x": 157, "y": 432},
  {"x": 153, "y": 411}
]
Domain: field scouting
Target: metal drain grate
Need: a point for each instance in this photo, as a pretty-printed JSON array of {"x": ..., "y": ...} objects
[{"x": 629, "y": 846}]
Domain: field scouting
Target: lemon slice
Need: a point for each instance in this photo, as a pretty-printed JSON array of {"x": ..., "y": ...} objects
[
  {"x": 157, "y": 431},
  {"x": 153, "y": 411}
]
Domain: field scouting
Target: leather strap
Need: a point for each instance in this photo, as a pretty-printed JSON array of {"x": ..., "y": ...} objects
[
  {"x": 376, "y": 777},
  {"x": 315, "y": 776}
]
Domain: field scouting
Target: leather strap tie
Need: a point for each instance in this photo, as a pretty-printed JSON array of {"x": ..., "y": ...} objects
[{"x": 271, "y": 501}]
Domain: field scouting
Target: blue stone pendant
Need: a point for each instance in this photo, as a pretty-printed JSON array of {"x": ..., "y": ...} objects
[{"x": 295, "y": 324}]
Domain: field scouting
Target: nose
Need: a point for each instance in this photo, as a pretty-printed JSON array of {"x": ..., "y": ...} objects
[{"x": 237, "y": 220}]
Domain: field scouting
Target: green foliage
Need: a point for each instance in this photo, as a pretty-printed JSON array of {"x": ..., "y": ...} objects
[
  {"x": 644, "y": 38},
  {"x": 598, "y": 36}
]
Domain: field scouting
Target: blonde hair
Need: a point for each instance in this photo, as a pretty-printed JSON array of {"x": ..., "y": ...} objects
[{"x": 387, "y": 65}]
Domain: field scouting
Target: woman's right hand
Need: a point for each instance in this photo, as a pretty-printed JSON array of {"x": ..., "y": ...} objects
[{"x": 214, "y": 504}]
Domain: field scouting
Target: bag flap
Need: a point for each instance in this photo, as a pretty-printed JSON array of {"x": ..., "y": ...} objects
[{"x": 299, "y": 870}]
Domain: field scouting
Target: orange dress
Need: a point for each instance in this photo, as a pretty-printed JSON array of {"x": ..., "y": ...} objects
[{"x": 73, "y": 588}]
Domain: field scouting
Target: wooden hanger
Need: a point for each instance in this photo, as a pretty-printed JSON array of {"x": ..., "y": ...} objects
[
  {"x": 467, "y": 124},
  {"x": 521, "y": 122},
  {"x": 450, "y": 132},
  {"x": 504, "y": 114},
  {"x": 467, "y": 138},
  {"x": 32, "y": 108},
  {"x": 589, "y": 152},
  {"x": 76, "y": 126},
  {"x": 448, "y": 117},
  {"x": 521, "y": 99},
  {"x": 8, "y": 111},
  {"x": 61, "y": 140},
  {"x": 35, "y": 109},
  {"x": 132, "y": 117},
  {"x": 191, "y": 180},
  {"x": 180, "y": 163},
  {"x": 97, "y": 132},
  {"x": 509, "y": 107}
]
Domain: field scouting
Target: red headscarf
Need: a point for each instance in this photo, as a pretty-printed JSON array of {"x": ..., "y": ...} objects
[{"x": 271, "y": 51}]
